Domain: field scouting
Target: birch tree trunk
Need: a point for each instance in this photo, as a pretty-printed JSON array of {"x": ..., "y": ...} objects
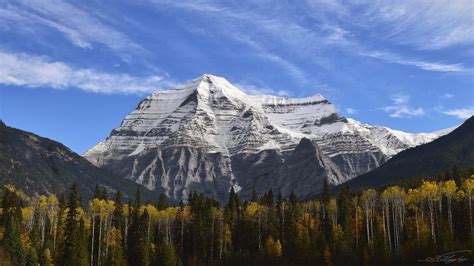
[
  {"x": 92, "y": 241},
  {"x": 99, "y": 255}
]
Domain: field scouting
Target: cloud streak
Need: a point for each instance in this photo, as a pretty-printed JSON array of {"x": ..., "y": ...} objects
[
  {"x": 462, "y": 113},
  {"x": 254, "y": 90},
  {"x": 34, "y": 71},
  {"x": 445, "y": 24},
  {"x": 425, "y": 25},
  {"x": 401, "y": 109},
  {"x": 424, "y": 65},
  {"x": 77, "y": 25}
]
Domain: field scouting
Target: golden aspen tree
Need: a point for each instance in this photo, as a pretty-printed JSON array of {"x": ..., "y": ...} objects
[
  {"x": 386, "y": 218},
  {"x": 93, "y": 212},
  {"x": 42, "y": 208},
  {"x": 468, "y": 186},
  {"x": 273, "y": 247},
  {"x": 412, "y": 200},
  {"x": 109, "y": 210},
  {"x": 53, "y": 208},
  {"x": 369, "y": 198},
  {"x": 27, "y": 214},
  {"x": 449, "y": 190},
  {"x": 429, "y": 191},
  {"x": 332, "y": 212},
  {"x": 153, "y": 217},
  {"x": 126, "y": 214}
]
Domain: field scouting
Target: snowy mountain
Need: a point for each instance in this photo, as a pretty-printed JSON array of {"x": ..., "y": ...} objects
[{"x": 207, "y": 135}]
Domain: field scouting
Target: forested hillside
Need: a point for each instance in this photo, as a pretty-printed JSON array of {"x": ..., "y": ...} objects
[
  {"x": 39, "y": 165},
  {"x": 391, "y": 227}
]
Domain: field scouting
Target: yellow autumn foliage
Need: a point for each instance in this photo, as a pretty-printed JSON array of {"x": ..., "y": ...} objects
[{"x": 273, "y": 247}]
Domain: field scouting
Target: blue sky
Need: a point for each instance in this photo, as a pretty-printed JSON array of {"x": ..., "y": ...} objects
[{"x": 71, "y": 71}]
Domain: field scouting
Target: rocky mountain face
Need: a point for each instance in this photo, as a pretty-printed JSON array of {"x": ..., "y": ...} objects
[{"x": 207, "y": 136}]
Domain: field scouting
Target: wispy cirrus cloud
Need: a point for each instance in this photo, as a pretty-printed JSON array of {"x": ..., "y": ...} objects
[
  {"x": 461, "y": 113},
  {"x": 271, "y": 26},
  {"x": 428, "y": 66},
  {"x": 255, "y": 90},
  {"x": 266, "y": 28},
  {"x": 400, "y": 107},
  {"x": 425, "y": 25},
  {"x": 77, "y": 25},
  {"x": 35, "y": 71}
]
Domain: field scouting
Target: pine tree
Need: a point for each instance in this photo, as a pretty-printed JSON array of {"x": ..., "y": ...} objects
[
  {"x": 82, "y": 244},
  {"x": 118, "y": 221},
  {"x": 136, "y": 242},
  {"x": 97, "y": 192},
  {"x": 254, "y": 197},
  {"x": 167, "y": 255},
  {"x": 58, "y": 242},
  {"x": 143, "y": 248},
  {"x": 72, "y": 253},
  {"x": 231, "y": 215},
  {"x": 280, "y": 212},
  {"x": 103, "y": 194},
  {"x": 267, "y": 199},
  {"x": 233, "y": 203},
  {"x": 162, "y": 202},
  {"x": 32, "y": 257},
  {"x": 344, "y": 210},
  {"x": 325, "y": 220},
  {"x": 11, "y": 221},
  {"x": 290, "y": 227},
  {"x": 116, "y": 256}
]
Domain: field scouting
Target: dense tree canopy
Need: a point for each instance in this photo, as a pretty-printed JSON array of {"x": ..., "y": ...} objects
[{"x": 391, "y": 226}]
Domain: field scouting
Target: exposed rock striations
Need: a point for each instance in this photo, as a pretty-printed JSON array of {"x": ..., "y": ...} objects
[{"x": 208, "y": 135}]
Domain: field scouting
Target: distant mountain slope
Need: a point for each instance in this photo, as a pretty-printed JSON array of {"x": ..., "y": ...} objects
[
  {"x": 455, "y": 148},
  {"x": 39, "y": 165}
]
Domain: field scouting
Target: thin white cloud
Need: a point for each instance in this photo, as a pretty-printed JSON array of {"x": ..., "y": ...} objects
[
  {"x": 424, "y": 25},
  {"x": 447, "y": 96},
  {"x": 401, "y": 109},
  {"x": 428, "y": 66},
  {"x": 462, "y": 113},
  {"x": 254, "y": 90},
  {"x": 292, "y": 68},
  {"x": 259, "y": 29},
  {"x": 427, "y": 25},
  {"x": 34, "y": 71},
  {"x": 259, "y": 24},
  {"x": 350, "y": 111},
  {"x": 400, "y": 99},
  {"x": 80, "y": 27}
]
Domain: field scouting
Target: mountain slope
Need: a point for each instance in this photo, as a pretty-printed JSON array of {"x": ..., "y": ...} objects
[
  {"x": 210, "y": 118},
  {"x": 455, "y": 148},
  {"x": 300, "y": 170},
  {"x": 40, "y": 166}
]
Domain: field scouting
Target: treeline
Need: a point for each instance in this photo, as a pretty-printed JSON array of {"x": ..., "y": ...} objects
[{"x": 393, "y": 226}]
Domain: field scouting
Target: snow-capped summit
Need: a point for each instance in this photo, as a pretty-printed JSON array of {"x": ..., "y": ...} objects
[{"x": 207, "y": 135}]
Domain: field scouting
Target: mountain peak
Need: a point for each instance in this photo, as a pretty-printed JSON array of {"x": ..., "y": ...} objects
[
  {"x": 204, "y": 84},
  {"x": 207, "y": 123}
]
